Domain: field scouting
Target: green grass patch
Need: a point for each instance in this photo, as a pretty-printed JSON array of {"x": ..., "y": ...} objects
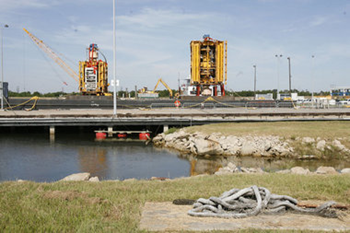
[
  {"x": 171, "y": 130},
  {"x": 115, "y": 206},
  {"x": 323, "y": 129}
]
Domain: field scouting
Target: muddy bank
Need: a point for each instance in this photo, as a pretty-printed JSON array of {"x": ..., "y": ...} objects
[{"x": 202, "y": 144}]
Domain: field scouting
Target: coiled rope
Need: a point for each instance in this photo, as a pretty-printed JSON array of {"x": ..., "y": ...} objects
[{"x": 242, "y": 203}]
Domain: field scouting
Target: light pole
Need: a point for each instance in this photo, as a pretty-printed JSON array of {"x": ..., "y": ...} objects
[
  {"x": 290, "y": 78},
  {"x": 2, "y": 67},
  {"x": 313, "y": 77},
  {"x": 254, "y": 82},
  {"x": 278, "y": 73},
  {"x": 114, "y": 65}
]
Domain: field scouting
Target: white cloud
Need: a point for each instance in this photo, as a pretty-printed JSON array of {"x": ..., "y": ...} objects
[
  {"x": 14, "y": 4},
  {"x": 153, "y": 37},
  {"x": 150, "y": 44},
  {"x": 318, "y": 21},
  {"x": 152, "y": 18}
]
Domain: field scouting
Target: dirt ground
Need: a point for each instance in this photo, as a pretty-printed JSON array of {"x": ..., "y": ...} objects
[{"x": 165, "y": 216}]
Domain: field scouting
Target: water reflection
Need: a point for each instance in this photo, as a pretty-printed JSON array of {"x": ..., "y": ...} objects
[
  {"x": 93, "y": 160},
  {"x": 212, "y": 164},
  {"x": 34, "y": 157}
]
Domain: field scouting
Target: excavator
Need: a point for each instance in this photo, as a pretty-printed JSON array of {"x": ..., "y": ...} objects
[
  {"x": 144, "y": 90},
  {"x": 165, "y": 85}
]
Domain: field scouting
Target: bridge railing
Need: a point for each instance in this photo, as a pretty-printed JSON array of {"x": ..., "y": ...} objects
[
  {"x": 211, "y": 105},
  {"x": 162, "y": 105},
  {"x": 250, "y": 104}
]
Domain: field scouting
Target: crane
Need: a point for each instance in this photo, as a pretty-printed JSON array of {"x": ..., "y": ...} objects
[
  {"x": 49, "y": 52},
  {"x": 165, "y": 85}
]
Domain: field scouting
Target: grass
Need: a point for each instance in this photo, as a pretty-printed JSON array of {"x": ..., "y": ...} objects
[
  {"x": 327, "y": 130},
  {"x": 115, "y": 206},
  {"x": 170, "y": 131},
  {"x": 288, "y": 130}
]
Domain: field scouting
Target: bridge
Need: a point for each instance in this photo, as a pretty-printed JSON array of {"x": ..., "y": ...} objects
[{"x": 160, "y": 119}]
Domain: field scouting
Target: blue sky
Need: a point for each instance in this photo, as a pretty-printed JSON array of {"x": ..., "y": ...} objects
[{"x": 153, "y": 38}]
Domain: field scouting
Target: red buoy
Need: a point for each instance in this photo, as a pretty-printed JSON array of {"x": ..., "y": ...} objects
[
  {"x": 100, "y": 135},
  {"x": 121, "y": 135},
  {"x": 177, "y": 103},
  {"x": 144, "y": 136}
]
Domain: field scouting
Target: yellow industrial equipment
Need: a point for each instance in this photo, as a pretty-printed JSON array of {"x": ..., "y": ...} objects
[
  {"x": 165, "y": 85},
  {"x": 209, "y": 65},
  {"x": 53, "y": 55},
  {"x": 144, "y": 90},
  {"x": 93, "y": 73}
]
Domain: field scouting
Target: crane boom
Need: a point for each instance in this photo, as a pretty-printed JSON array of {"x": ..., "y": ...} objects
[
  {"x": 165, "y": 85},
  {"x": 49, "y": 52}
]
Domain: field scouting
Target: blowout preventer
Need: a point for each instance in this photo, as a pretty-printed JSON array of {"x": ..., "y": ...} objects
[
  {"x": 93, "y": 74},
  {"x": 209, "y": 65}
]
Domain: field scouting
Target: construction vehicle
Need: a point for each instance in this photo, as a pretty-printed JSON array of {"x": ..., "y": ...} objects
[
  {"x": 93, "y": 73},
  {"x": 165, "y": 85},
  {"x": 144, "y": 90},
  {"x": 209, "y": 66}
]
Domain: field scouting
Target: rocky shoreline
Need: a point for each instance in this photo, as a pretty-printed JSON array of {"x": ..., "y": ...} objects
[
  {"x": 201, "y": 144},
  {"x": 261, "y": 146},
  {"x": 229, "y": 169},
  {"x": 232, "y": 168}
]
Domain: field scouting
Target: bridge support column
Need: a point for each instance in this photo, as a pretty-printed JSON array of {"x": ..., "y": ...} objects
[
  {"x": 165, "y": 128},
  {"x": 110, "y": 131},
  {"x": 52, "y": 133}
]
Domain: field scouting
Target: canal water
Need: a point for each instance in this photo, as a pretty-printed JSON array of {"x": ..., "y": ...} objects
[{"x": 31, "y": 156}]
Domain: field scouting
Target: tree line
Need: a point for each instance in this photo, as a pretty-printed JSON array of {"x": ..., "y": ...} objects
[{"x": 165, "y": 93}]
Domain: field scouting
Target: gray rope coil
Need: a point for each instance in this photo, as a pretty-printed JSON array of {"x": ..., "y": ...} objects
[{"x": 242, "y": 203}]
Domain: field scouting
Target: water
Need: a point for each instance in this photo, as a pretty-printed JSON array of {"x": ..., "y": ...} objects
[{"x": 31, "y": 156}]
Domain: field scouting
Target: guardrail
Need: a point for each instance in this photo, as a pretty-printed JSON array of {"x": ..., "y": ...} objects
[
  {"x": 55, "y": 103},
  {"x": 249, "y": 104},
  {"x": 211, "y": 105}
]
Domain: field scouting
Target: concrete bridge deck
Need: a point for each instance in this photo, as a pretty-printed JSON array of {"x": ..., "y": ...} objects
[
  {"x": 164, "y": 116},
  {"x": 157, "y": 120}
]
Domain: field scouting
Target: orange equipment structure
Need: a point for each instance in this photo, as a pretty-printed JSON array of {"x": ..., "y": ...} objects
[
  {"x": 93, "y": 74},
  {"x": 209, "y": 65}
]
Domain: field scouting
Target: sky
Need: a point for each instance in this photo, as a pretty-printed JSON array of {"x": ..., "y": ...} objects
[{"x": 153, "y": 41}]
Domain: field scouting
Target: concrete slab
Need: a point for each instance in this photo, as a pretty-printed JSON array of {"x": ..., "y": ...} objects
[
  {"x": 174, "y": 112},
  {"x": 165, "y": 116},
  {"x": 165, "y": 216}
]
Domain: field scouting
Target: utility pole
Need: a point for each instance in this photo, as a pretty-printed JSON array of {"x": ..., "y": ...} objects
[
  {"x": 254, "y": 82},
  {"x": 114, "y": 65},
  {"x": 313, "y": 77},
  {"x": 290, "y": 78},
  {"x": 278, "y": 74},
  {"x": 2, "y": 66}
]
